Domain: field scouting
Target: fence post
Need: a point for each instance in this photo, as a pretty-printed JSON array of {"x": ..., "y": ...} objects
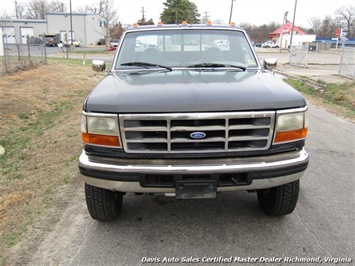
[
  {"x": 5, "y": 57},
  {"x": 347, "y": 62},
  {"x": 45, "y": 48},
  {"x": 29, "y": 50}
]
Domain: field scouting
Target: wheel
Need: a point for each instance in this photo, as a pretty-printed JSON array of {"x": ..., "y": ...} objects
[
  {"x": 103, "y": 204},
  {"x": 280, "y": 200}
]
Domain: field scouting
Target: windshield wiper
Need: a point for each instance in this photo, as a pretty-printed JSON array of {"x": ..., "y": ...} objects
[
  {"x": 146, "y": 65},
  {"x": 213, "y": 65}
]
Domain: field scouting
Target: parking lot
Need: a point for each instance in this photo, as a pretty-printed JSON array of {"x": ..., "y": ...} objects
[{"x": 322, "y": 66}]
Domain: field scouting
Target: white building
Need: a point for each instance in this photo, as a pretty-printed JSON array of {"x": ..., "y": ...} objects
[
  {"x": 16, "y": 30},
  {"x": 87, "y": 28},
  {"x": 282, "y": 36}
]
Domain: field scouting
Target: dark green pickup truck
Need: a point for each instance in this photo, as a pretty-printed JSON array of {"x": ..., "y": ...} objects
[{"x": 188, "y": 111}]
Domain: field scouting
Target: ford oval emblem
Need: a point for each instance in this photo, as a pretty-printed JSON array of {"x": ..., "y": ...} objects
[{"x": 198, "y": 135}]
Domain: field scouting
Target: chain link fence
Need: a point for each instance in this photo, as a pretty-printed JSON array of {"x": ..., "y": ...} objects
[
  {"x": 347, "y": 62},
  {"x": 298, "y": 56},
  {"x": 18, "y": 56}
]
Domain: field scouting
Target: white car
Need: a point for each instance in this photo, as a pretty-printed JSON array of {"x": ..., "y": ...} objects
[
  {"x": 75, "y": 42},
  {"x": 270, "y": 44}
]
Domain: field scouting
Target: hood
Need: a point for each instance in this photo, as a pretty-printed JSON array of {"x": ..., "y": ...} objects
[{"x": 191, "y": 91}]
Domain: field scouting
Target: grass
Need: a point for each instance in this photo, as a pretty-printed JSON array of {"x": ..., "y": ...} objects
[
  {"x": 337, "y": 97},
  {"x": 40, "y": 131}
]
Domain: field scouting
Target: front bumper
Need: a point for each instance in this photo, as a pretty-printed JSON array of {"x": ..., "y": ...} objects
[{"x": 245, "y": 173}]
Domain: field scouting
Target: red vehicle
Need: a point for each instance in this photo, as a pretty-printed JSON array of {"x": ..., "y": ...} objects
[{"x": 50, "y": 42}]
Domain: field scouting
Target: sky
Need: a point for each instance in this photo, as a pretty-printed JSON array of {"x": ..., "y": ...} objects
[{"x": 255, "y": 12}]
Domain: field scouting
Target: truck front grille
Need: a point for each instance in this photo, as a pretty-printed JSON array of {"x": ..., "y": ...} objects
[{"x": 196, "y": 132}]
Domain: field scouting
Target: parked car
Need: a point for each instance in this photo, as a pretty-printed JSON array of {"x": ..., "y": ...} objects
[
  {"x": 270, "y": 44},
  {"x": 113, "y": 44},
  {"x": 35, "y": 41},
  {"x": 191, "y": 122},
  {"x": 50, "y": 42},
  {"x": 76, "y": 43}
]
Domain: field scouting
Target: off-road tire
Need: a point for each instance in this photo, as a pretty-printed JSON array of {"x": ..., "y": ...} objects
[
  {"x": 280, "y": 200},
  {"x": 103, "y": 204}
]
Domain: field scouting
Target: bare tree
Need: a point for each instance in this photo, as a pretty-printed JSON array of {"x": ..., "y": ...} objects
[
  {"x": 347, "y": 14},
  {"x": 56, "y": 6},
  {"x": 116, "y": 31},
  {"x": 329, "y": 26},
  {"x": 20, "y": 12},
  {"x": 106, "y": 9},
  {"x": 260, "y": 33},
  {"x": 88, "y": 9},
  {"x": 316, "y": 24},
  {"x": 36, "y": 9}
]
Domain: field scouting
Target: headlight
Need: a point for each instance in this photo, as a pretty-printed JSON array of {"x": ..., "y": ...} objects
[
  {"x": 102, "y": 125},
  {"x": 291, "y": 126},
  {"x": 100, "y": 129}
]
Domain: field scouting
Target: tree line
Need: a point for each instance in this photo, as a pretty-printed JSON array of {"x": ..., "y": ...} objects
[{"x": 175, "y": 11}]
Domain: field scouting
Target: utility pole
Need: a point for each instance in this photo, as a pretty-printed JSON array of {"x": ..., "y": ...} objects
[
  {"x": 230, "y": 16},
  {"x": 282, "y": 31},
  {"x": 71, "y": 26},
  {"x": 16, "y": 8},
  {"x": 206, "y": 16},
  {"x": 143, "y": 18},
  {"x": 293, "y": 23},
  {"x": 285, "y": 17}
]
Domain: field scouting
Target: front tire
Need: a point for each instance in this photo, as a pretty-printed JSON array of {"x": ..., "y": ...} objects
[
  {"x": 103, "y": 204},
  {"x": 280, "y": 200}
]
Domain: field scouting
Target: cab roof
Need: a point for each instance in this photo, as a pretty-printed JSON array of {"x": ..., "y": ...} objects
[{"x": 184, "y": 25}]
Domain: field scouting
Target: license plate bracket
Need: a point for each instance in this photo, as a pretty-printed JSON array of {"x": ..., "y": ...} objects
[{"x": 196, "y": 189}]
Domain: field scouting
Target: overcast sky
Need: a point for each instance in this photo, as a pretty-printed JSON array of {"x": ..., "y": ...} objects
[{"x": 256, "y": 12}]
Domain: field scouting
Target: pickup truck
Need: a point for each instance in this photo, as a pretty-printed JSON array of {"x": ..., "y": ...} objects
[{"x": 184, "y": 117}]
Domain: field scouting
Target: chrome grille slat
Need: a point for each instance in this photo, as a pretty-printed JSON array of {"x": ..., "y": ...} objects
[
  {"x": 170, "y": 133},
  {"x": 201, "y": 140}
]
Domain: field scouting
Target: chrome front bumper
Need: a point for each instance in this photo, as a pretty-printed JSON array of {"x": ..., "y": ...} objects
[{"x": 123, "y": 174}]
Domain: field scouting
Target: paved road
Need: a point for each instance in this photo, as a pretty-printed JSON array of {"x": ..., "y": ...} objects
[
  {"x": 321, "y": 66},
  {"x": 230, "y": 226}
]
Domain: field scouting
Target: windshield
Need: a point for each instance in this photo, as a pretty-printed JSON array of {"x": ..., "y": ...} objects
[{"x": 185, "y": 48}]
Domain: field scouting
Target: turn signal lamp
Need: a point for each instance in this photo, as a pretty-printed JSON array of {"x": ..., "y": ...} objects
[{"x": 101, "y": 140}]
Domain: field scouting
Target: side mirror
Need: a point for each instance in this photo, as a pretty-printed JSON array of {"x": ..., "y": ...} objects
[
  {"x": 270, "y": 63},
  {"x": 98, "y": 65}
]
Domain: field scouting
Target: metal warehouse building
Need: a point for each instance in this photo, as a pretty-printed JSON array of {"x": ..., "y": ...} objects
[{"x": 87, "y": 28}]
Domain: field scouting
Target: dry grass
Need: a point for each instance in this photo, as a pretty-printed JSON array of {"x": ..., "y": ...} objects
[
  {"x": 40, "y": 131},
  {"x": 338, "y": 98}
]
